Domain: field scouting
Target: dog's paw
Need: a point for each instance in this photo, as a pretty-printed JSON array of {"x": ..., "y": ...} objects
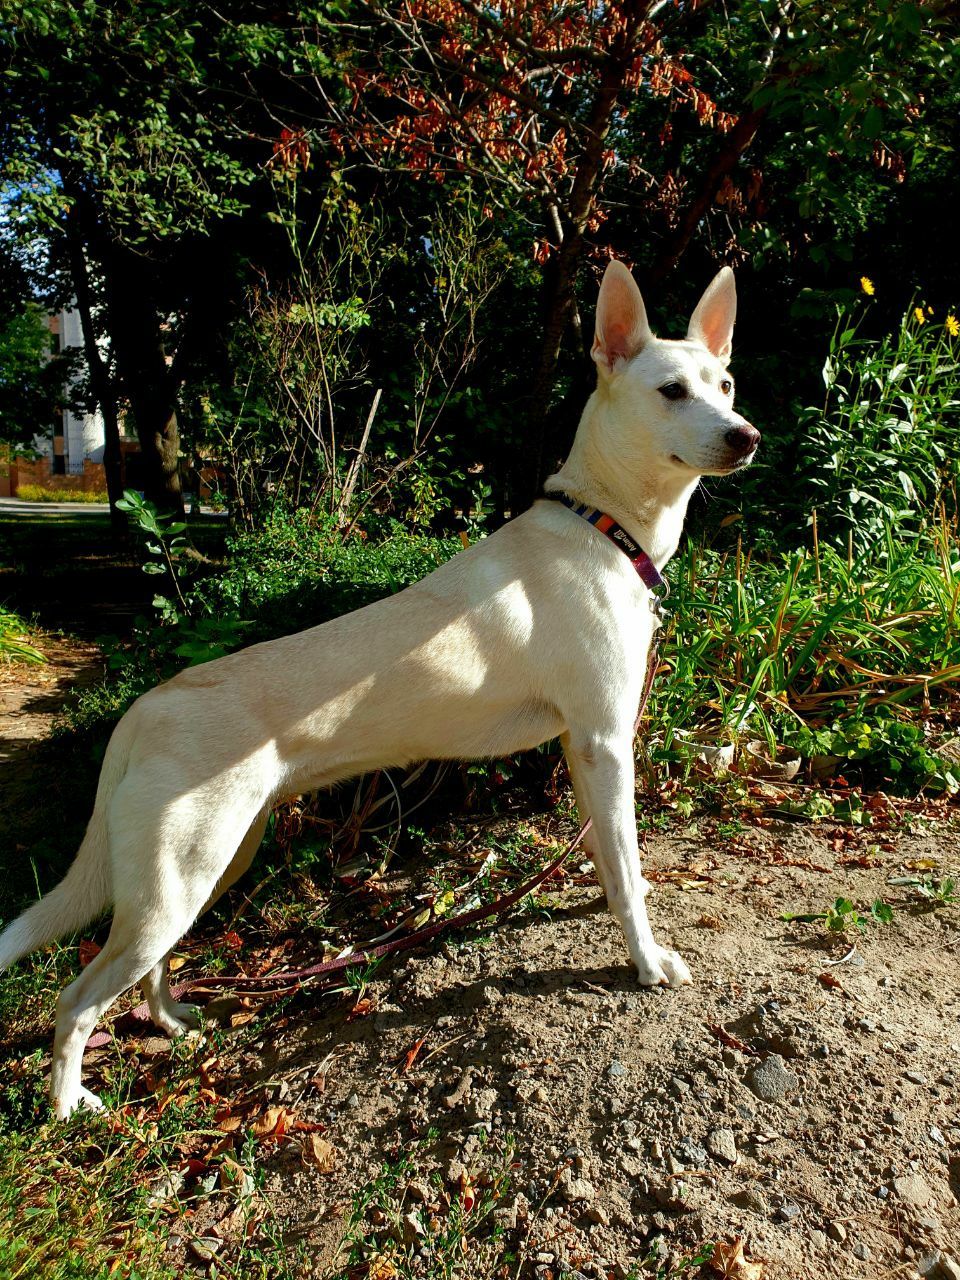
[
  {"x": 84, "y": 1100},
  {"x": 177, "y": 1019},
  {"x": 662, "y": 968}
]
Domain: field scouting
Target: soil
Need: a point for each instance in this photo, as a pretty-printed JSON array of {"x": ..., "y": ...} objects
[
  {"x": 31, "y": 694},
  {"x": 801, "y": 1096}
]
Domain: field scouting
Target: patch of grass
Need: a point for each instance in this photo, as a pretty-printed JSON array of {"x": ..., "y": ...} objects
[
  {"x": 100, "y": 1195},
  {"x": 42, "y": 493},
  {"x": 818, "y": 651}
]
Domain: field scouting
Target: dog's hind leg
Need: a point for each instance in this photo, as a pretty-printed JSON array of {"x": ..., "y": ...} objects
[
  {"x": 132, "y": 950},
  {"x": 605, "y": 768},
  {"x": 170, "y": 1015}
]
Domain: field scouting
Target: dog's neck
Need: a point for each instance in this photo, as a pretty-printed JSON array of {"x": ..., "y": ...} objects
[{"x": 641, "y": 494}]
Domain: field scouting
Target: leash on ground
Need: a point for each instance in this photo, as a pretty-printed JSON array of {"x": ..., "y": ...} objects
[{"x": 289, "y": 981}]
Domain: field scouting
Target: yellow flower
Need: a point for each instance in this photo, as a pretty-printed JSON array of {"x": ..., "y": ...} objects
[
  {"x": 866, "y": 284},
  {"x": 919, "y": 316},
  {"x": 952, "y": 325}
]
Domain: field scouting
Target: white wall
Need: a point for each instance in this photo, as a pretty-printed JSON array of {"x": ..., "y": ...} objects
[{"x": 83, "y": 435}]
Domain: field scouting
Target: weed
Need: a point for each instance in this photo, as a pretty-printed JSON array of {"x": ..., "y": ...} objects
[
  {"x": 932, "y": 890},
  {"x": 842, "y": 915},
  {"x": 14, "y": 643}
]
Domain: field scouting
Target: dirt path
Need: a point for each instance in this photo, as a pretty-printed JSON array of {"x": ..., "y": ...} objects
[
  {"x": 31, "y": 694},
  {"x": 802, "y": 1095}
]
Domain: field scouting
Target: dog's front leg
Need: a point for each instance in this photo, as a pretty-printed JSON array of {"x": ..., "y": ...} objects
[
  {"x": 603, "y": 769},
  {"x": 579, "y": 784}
]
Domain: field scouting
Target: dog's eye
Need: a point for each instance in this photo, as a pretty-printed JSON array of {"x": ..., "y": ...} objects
[
  {"x": 674, "y": 391},
  {"x": 726, "y": 386}
]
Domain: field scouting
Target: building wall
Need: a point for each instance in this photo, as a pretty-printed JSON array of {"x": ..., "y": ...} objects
[{"x": 83, "y": 434}]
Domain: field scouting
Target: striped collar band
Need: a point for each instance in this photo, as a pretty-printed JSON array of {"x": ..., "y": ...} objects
[{"x": 618, "y": 535}]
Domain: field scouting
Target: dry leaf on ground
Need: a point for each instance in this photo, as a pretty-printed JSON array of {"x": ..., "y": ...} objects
[
  {"x": 729, "y": 1261},
  {"x": 319, "y": 1153}
]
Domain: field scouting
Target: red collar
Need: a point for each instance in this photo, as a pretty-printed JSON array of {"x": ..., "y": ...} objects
[{"x": 606, "y": 525}]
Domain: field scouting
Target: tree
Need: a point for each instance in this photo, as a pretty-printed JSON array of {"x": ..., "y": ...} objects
[
  {"x": 130, "y": 134},
  {"x": 31, "y": 381},
  {"x": 569, "y": 110}
]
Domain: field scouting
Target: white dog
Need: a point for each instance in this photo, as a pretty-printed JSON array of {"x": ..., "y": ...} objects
[{"x": 541, "y": 630}]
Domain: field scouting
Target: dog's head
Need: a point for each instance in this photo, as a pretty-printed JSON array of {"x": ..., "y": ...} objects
[{"x": 670, "y": 403}]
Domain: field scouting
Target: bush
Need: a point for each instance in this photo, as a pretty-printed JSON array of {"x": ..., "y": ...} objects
[
  {"x": 295, "y": 572},
  {"x": 40, "y": 493},
  {"x": 881, "y": 451},
  {"x": 298, "y": 571}
]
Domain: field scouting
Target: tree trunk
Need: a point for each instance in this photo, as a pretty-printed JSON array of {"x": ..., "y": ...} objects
[
  {"x": 147, "y": 378},
  {"x": 100, "y": 380}
]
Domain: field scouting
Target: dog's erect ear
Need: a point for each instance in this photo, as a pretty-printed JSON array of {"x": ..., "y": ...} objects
[
  {"x": 712, "y": 322},
  {"x": 622, "y": 328}
]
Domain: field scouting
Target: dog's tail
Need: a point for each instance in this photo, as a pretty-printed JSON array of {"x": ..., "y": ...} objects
[{"x": 86, "y": 889}]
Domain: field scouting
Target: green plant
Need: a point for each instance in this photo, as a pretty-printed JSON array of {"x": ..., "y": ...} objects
[
  {"x": 14, "y": 645},
  {"x": 167, "y": 546},
  {"x": 934, "y": 890},
  {"x": 842, "y": 915},
  {"x": 881, "y": 449}
]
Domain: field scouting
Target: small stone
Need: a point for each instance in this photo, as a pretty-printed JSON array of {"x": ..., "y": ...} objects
[
  {"x": 411, "y": 1226},
  {"x": 861, "y": 1251},
  {"x": 751, "y": 1198},
  {"x": 576, "y": 1189},
  {"x": 913, "y": 1189},
  {"x": 679, "y": 1088},
  {"x": 771, "y": 1081},
  {"x": 938, "y": 1266},
  {"x": 837, "y": 1231},
  {"x": 597, "y": 1213},
  {"x": 690, "y": 1153},
  {"x": 788, "y": 1211},
  {"x": 205, "y": 1247},
  {"x": 722, "y": 1145},
  {"x": 937, "y": 1136},
  {"x": 819, "y": 1241},
  {"x": 616, "y": 1069},
  {"x": 915, "y": 1077}
]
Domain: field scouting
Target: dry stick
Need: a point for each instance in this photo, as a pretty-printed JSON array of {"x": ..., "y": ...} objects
[{"x": 354, "y": 470}]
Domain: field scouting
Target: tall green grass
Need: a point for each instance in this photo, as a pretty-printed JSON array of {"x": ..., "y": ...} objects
[
  {"x": 880, "y": 451},
  {"x": 810, "y": 636},
  {"x": 14, "y": 643}
]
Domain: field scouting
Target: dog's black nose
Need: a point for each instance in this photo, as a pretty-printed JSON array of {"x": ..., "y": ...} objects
[{"x": 743, "y": 440}]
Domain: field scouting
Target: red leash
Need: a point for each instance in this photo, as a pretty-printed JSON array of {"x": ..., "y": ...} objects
[{"x": 299, "y": 976}]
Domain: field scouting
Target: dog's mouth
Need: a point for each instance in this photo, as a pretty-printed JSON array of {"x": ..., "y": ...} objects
[{"x": 725, "y": 468}]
